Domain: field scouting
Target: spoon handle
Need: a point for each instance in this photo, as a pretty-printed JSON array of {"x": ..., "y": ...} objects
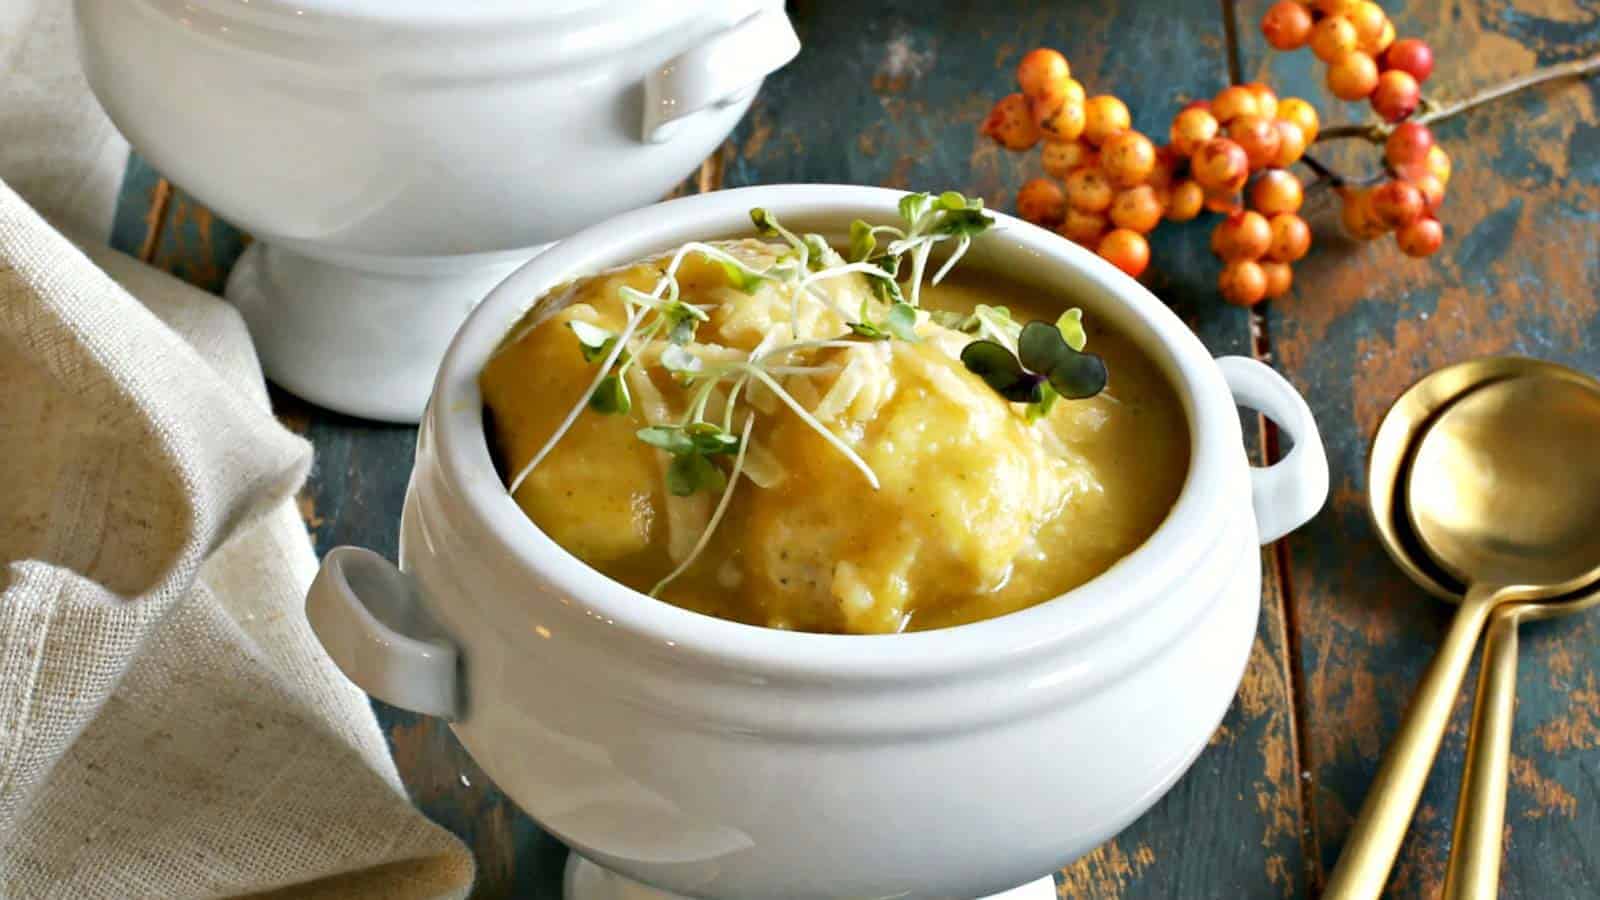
[
  {"x": 1475, "y": 846},
  {"x": 1374, "y": 840}
]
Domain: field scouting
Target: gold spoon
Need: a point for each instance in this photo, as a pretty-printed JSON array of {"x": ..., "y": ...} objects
[
  {"x": 1475, "y": 843},
  {"x": 1502, "y": 495}
]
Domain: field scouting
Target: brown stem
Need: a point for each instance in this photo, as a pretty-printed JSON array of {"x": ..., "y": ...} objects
[{"x": 1378, "y": 132}]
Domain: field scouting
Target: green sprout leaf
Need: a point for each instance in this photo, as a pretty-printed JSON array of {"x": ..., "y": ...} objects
[
  {"x": 710, "y": 440},
  {"x": 1000, "y": 369},
  {"x": 1047, "y": 401},
  {"x": 766, "y": 224},
  {"x": 818, "y": 258},
  {"x": 742, "y": 280},
  {"x": 869, "y": 331},
  {"x": 670, "y": 438},
  {"x": 1042, "y": 349},
  {"x": 912, "y": 206},
  {"x": 1071, "y": 327},
  {"x": 862, "y": 241},
  {"x": 610, "y": 397},
  {"x": 902, "y": 322},
  {"x": 593, "y": 341},
  {"x": 952, "y": 320},
  {"x": 953, "y": 201},
  {"x": 676, "y": 359},
  {"x": 692, "y": 472}
]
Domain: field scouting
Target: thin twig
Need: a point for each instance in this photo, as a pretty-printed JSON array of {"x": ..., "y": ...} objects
[{"x": 1378, "y": 132}]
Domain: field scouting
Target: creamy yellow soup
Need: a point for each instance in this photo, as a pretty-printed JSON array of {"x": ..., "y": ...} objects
[{"x": 979, "y": 509}]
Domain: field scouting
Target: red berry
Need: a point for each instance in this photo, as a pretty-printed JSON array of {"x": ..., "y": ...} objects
[
  {"x": 1407, "y": 147},
  {"x": 1398, "y": 203},
  {"x": 1127, "y": 250},
  {"x": 1242, "y": 235},
  {"x": 1041, "y": 202},
  {"x": 1411, "y": 56},
  {"x": 1420, "y": 238},
  {"x": 1396, "y": 96},
  {"x": 1357, "y": 216},
  {"x": 1287, "y": 25},
  {"x": 1243, "y": 283},
  {"x": 1220, "y": 165}
]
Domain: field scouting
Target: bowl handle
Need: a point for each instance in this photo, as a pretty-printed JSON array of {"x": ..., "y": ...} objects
[
  {"x": 723, "y": 70},
  {"x": 1289, "y": 492},
  {"x": 369, "y": 617}
]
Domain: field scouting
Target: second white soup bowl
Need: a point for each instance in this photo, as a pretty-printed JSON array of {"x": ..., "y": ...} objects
[{"x": 718, "y": 759}]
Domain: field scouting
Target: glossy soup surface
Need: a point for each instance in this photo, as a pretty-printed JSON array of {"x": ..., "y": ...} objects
[{"x": 979, "y": 512}]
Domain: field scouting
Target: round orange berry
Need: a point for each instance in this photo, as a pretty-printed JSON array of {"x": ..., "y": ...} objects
[
  {"x": 1353, "y": 76},
  {"x": 1060, "y": 158},
  {"x": 1291, "y": 143},
  {"x": 1105, "y": 116},
  {"x": 1258, "y": 137},
  {"x": 1011, "y": 123},
  {"x": 1286, "y": 25},
  {"x": 1396, "y": 96},
  {"x": 1243, "y": 283},
  {"x": 1234, "y": 101},
  {"x": 1280, "y": 277},
  {"x": 1127, "y": 250},
  {"x": 1298, "y": 111},
  {"x": 1220, "y": 165},
  {"x": 1291, "y": 238},
  {"x": 1276, "y": 191},
  {"x": 1421, "y": 238},
  {"x": 1136, "y": 209},
  {"x": 1191, "y": 128},
  {"x": 1333, "y": 37},
  {"x": 1127, "y": 158},
  {"x": 1089, "y": 190},
  {"x": 1042, "y": 72},
  {"x": 1186, "y": 201},
  {"x": 1244, "y": 234},
  {"x": 1042, "y": 202},
  {"x": 1083, "y": 227}
]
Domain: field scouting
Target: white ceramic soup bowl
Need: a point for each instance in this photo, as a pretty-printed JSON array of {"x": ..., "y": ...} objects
[
  {"x": 718, "y": 759},
  {"x": 396, "y": 159}
]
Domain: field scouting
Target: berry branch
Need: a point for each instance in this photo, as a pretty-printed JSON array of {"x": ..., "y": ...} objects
[{"x": 1378, "y": 132}]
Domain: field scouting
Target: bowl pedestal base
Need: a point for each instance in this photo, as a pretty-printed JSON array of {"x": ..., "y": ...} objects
[
  {"x": 358, "y": 340},
  {"x": 587, "y": 881}
]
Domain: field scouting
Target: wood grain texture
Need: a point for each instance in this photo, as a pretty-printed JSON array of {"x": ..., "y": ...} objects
[{"x": 1517, "y": 274}]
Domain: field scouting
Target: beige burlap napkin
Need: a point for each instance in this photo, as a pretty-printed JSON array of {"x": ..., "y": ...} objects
[{"x": 169, "y": 727}]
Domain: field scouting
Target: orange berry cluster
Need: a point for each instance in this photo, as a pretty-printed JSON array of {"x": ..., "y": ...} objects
[
  {"x": 1109, "y": 185},
  {"x": 1239, "y": 146},
  {"x": 1357, "y": 41}
]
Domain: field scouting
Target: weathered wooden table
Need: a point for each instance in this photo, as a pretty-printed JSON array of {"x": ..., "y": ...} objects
[{"x": 893, "y": 97}]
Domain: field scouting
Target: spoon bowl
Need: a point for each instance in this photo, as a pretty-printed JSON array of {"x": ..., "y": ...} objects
[
  {"x": 1501, "y": 494},
  {"x": 1505, "y": 490}
]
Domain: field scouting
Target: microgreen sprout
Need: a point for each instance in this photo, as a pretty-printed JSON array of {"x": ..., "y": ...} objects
[{"x": 1046, "y": 365}]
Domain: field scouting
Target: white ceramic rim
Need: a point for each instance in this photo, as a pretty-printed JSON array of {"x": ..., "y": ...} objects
[{"x": 1177, "y": 547}]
